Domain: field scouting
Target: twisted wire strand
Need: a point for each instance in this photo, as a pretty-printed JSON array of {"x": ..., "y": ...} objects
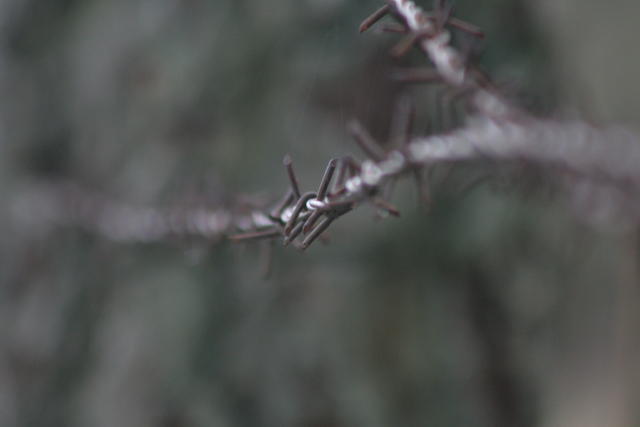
[
  {"x": 68, "y": 205},
  {"x": 611, "y": 155},
  {"x": 434, "y": 39},
  {"x": 497, "y": 131}
]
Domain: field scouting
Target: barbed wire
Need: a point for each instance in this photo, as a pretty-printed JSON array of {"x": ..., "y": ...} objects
[
  {"x": 495, "y": 130},
  {"x": 66, "y": 204}
]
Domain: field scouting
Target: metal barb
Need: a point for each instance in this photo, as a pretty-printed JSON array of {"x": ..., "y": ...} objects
[
  {"x": 466, "y": 27},
  {"x": 326, "y": 179},
  {"x": 349, "y": 167},
  {"x": 293, "y": 234},
  {"x": 276, "y": 212},
  {"x": 267, "y": 260},
  {"x": 365, "y": 141},
  {"x": 422, "y": 187},
  {"x": 374, "y": 17},
  {"x": 444, "y": 14},
  {"x": 288, "y": 164},
  {"x": 386, "y": 206},
  {"x": 404, "y": 46},
  {"x": 300, "y": 205},
  {"x": 341, "y": 175},
  {"x": 320, "y": 228},
  {"x": 393, "y": 28},
  {"x": 339, "y": 206},
  {"x": 311, "y": 221}
]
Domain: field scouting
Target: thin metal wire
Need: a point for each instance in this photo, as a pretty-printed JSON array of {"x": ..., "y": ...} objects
[{"x": 498, "y": 131}]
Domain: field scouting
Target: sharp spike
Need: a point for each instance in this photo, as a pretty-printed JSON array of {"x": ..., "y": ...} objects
[
  {"x": 326, "y": 179},
  {"x": 374, "y": 17},
  {"x": 405, "y": 45},
  {"x": 276, "y": 212},
  {"x": 311, "y": 221},
  {"x": 365, "y": 141},
  {"x": 288, "y": 164},
  {"x": 352, "y": 165},
  {"x": 267, "y": 260},
  {"x": 466, "y": 27},
  {"x": 341, "y": 175},
  {"x": 386, "y": 206},
  {"x": 393, "y": 28},
  {"x": 445, "y": 14},
  {"x": 293, "y": 234},
  {"x": 300, "y": 205},
  {"x": 320, "y": 228},
  {"x": 424, "y": 193}
]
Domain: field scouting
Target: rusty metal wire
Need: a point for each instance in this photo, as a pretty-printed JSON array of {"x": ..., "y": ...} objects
[
  {"x": 69, "y": 205},
  {"x": 495, "y": 130}
]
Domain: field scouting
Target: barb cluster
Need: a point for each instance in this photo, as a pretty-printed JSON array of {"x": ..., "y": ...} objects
[
  {"x": 431, "y": 33},
  {"x": 498, "y": 131},
  {"x": 306, "y": 216},
  {"x": 301, "y": 218}
]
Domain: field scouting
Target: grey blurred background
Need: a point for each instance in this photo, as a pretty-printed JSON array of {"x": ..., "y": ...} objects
[{"x": 503, "y": 306}]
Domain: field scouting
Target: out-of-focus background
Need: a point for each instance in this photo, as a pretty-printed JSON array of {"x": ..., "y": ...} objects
[{"x": 502, "y": 306}]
